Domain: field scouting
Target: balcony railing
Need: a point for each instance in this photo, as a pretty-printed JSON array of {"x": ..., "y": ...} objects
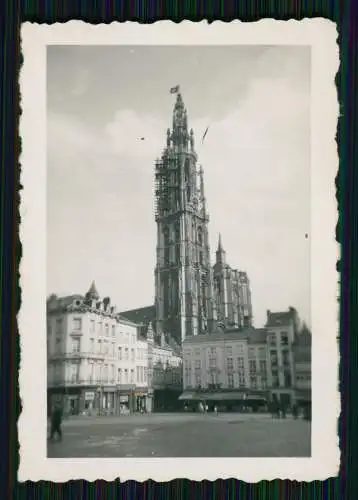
[
  {"x": 77, "y": 355},
  {"x": 80, "y": 381}
]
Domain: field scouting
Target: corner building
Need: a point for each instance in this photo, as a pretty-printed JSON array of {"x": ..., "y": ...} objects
[
  {"x": 96, "y": 360},
  {"x": 184, "y": 300}
]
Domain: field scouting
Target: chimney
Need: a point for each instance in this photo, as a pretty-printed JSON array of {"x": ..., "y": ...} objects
[{"x": 106, "y": 303}]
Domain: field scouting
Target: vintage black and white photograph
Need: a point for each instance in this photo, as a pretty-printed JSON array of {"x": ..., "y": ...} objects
[
  {"x": 178, "y": 232},
  {"x": 178, "y": 262}
]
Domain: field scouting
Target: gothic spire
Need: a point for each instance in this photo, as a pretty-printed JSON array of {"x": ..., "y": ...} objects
[
  {"x": 220, "y": 246},
  {"x": 180, "y": 135},
  {"x": 220, "y": 252}
]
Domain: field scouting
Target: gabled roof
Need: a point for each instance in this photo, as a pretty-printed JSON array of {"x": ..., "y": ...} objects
[
  {"x": 55, "y": 303},
  {"x": 279, "y": 318}
]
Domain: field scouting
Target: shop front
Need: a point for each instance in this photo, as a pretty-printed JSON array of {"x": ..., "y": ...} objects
[
  {"x": 304, "y": 402},
  {"x": 70, "y": 399},
  {"x": 228, "y": 401},
  {"x": 282, "y": 397},
  {"x": 167, "y": 400},
  {"x": 125, "y": 399},
  {"x": 141, "y": 401}
]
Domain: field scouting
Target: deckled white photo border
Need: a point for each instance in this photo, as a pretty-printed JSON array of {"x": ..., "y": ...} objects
[{"x": 321, "y": 35}]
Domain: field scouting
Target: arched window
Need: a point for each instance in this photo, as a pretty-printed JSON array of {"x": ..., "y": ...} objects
[
  {"x": 187, "y": 169},
  {"x": 166, "y": 236},
  {"x": 200, "y": 236},
  {"x": 166, "y": 245},
  {"x": 177, "y": 232}
]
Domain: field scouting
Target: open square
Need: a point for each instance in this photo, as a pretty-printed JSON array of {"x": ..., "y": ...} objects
[{"x": 193, "y": 435}]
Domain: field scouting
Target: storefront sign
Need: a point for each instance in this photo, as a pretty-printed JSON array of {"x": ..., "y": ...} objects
[
  {"x": 123, "y": 399},
  {"x": 89, "y": 396}
]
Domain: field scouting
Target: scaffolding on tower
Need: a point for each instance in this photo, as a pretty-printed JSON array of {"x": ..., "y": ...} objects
[{"x": 166, "y": 180}]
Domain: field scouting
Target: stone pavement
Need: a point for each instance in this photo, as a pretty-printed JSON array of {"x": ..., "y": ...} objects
[{"x": 183, "y": 435}]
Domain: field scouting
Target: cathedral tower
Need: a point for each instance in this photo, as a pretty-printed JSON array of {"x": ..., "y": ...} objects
[{"x": 183, "y": 275}]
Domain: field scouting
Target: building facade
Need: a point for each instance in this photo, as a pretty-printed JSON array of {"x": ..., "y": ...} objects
[
  {"x": 96, "y": 361},
  {"x": 302, "y": 357},
  {"x": 232, "y": 293},
  {"x": 282, "y": 329},
  {"x": 164, "y": 360},
  {"x": 226, "y": 369},
  {"x": 250, "y": 366}
]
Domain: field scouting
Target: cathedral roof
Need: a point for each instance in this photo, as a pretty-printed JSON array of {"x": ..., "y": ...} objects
[
  {"x": 142, "y": 315},
  {"x": 219, "y": 336},
  {"x": 92, "y": 292}
]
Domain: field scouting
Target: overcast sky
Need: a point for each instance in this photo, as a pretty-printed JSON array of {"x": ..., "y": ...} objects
[{"x": 256, "y": 159}]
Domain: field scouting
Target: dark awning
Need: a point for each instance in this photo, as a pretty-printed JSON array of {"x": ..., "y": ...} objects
[
  {"x": 222, "y": 396},
  {"x": 187, "y": 396}
]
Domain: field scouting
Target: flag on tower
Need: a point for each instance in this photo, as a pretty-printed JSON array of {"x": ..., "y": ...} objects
[{"x": 175, "y": 90}]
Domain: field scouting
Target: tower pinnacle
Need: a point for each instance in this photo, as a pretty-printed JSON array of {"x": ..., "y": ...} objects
[
  {"x": 220, "y": 247},
  {"x": 92, "y": 292},
  {"x": 220, "y": 252},
  {"x": 180, "y": 136}
]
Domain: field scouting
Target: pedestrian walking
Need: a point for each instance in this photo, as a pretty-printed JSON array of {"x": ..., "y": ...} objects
[
  {"x": 295, "y": 411},
  {"x": 56, "y": 421},
  {"x": 216, "y": 410}
]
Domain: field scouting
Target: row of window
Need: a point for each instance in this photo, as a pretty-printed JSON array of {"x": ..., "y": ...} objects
[
  {"x": 282, "y": 338},
  {"x": 252, "y": 352},
  {"x": 285, "y": 358},
  {"x": 303, "y": 377},
  {"x": 195, "y": 231},
  {"x": 240, "y": 363},
  {"x": 212, "y": 351},
  {"x": 104, "y": 348},
  {"x": 103, "y": 373},
  {"x": 255, "y": 381},
  {"x": 100, "y": 328}
]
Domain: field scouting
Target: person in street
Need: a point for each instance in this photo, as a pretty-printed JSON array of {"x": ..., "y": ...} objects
[
  {"x": 295, "y": 411},
  {"x": 56, "y": 421},
  {"x": 216, "y": 410}
]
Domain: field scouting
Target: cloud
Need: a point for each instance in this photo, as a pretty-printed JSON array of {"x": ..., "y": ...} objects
[
  {"x": 126, "y": 130},
  {"x": 256, "y": 164},
  {"x": 81, "y": 81}
]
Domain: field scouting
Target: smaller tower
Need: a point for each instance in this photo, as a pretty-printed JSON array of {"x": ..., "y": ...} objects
[
  {"x": 220, "y": 253},
  {"x": 232, "y": 293}
]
